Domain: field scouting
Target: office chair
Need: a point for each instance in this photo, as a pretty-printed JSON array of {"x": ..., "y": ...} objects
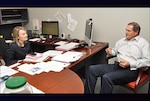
[
  {"x": 1, "y": 61},
  {"x": 142, "y": 79},
  {"x": 3, "y": 48}
]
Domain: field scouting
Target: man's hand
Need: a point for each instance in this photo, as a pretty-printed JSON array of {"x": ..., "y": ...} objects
[
  {"x": 108, "y": 51},
  {"x": 124, "y": 64}
]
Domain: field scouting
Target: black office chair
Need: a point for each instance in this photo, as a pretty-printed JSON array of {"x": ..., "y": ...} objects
[
  {"x": 3, "y": 48},
  {"x": 1, "y": 61}
]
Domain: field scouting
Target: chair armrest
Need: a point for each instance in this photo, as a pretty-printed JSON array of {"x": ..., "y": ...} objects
[
  {"x": 139, "y": 76},
  {"x": 1, "y": 58},
  {"x": 109, "y": 57},
  {"x": 148, "y": 71}
]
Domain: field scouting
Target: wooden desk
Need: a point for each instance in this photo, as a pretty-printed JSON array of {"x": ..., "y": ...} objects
[
  {"x": 64, "y": 82},
  {"x": 67, "y": 81},
  {"x": 94, "y": 55}
]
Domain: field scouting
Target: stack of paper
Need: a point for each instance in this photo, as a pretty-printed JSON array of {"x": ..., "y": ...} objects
[
  {"x": 40, "y": 57},
  {"x": 61, "y": 43},
  {"x": 55, "y": 66},
  {"x": 34, "y": 57},
  {"x": 14, "y": 65},
  {"x": 42, "y": 67},
  {"x": 67, "y": 47},
  {"x": 4, "y": 70},
  {"x": 52, "y": 53},
  {"x": 69, "y": 56},
  {"x": 30, "y": 69}
]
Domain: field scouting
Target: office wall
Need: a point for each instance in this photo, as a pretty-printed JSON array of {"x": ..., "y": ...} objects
[{"x": 109, "y": 22}]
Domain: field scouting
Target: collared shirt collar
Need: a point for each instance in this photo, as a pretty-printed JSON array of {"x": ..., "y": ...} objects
[{"x": 137, "y": 38}]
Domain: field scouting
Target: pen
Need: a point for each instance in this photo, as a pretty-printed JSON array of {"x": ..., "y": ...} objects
[{"x": 4, "y": 78}]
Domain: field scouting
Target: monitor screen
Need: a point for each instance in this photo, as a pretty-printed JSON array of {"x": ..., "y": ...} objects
[
  {"x": 50, "y": 28},
  {"x": 88, "y": 31}
]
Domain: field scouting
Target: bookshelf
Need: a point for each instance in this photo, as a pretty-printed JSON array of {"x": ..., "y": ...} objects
[{"x": 12, "y": 15}]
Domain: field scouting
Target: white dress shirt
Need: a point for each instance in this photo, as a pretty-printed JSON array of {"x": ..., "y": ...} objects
[{"x": 136, "y": 51}]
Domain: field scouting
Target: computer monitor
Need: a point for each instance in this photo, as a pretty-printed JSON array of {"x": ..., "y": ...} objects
[
  {"x": 88, "y": 32},
  {"x": 50, "y": 28}
]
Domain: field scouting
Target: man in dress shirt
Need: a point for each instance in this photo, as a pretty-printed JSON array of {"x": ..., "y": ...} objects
[{"x": 132, "y": 52}]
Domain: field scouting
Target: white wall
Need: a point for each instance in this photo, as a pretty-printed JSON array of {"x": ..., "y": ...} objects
[{"x": 109, "y": 22}]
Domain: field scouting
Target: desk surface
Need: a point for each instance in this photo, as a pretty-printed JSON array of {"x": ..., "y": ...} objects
[
  {"x": 65, "y": 81},
  {"x": 89, "y": 52}
]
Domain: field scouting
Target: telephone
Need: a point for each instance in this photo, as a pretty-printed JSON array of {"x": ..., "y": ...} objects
[{"x": 76, "y": 40}]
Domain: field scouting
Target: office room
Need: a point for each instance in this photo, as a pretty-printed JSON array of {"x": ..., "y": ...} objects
[
  {"x": 109, "y": 25},
  {"x": 108, "y": 22}
]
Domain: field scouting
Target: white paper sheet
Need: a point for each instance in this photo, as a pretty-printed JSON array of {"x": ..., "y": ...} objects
[
  {"x": 5, "y": 70},
  {"x": 72, "y": 25},
  {"x": 61, "y": 43},
  {"x": 60, "y": 16},
  {"x": 69, "y": 56},
  {"x": 14, "y": 65}
]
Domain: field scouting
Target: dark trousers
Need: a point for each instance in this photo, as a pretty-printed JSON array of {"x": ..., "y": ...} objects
[{"x": 111, "y": 74}]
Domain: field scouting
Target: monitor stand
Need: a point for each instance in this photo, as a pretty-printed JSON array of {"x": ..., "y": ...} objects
[{"x": 89, "y": 43}]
